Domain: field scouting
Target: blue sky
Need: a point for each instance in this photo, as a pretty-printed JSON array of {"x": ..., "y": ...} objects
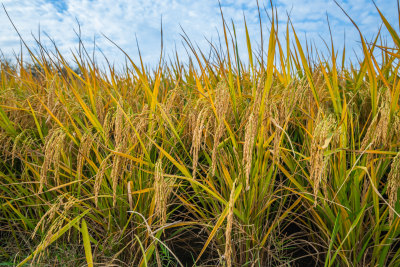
[{"x": 122, "y": 20}]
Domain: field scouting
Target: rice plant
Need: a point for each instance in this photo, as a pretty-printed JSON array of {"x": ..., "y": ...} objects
[{"x": 285, "y": 159}]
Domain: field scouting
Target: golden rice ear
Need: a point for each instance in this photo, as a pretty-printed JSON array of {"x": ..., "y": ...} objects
[
  {"x": 222, "y": 103},
  {"x": 383, "y": 124},
  {"x": 228, "y": 232},
  {"x": 54, "y": 144},
  {"x": 100, "y": 108},
  {"x": 48, "y": 216},
  {"x": 116, "y": 172},
  {"x": 196, "y": 140},
  {"x": 251, "y": 132},
  {"x": 129, "y": 192},
  {"x": 57, "y": 224},
  {"x": 160, "y": 193},
  {"x": 84, "y": 151},
  {"x": 5, "y": 144},
  {"x": 250, "y": 135},
  {"x": 370, "y": 137},
  {"x": 119, "y": 126},
  {"x": 322, "y": 135},
  {"x": 162, "y": 190},
  {"x": 378, "y": 130},
  {"x": 393, "y": 184},
  {"x": 173, "y": 96},
  {"x": 108, "y": 124},
  {"x": 15, "y": 146},
  {"x": 140, "y": 122}
]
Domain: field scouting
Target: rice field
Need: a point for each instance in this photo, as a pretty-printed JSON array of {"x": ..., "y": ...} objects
[{"x": 282, "y": 159}]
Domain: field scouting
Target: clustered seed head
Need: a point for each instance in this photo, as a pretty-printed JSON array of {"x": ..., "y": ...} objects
[
  {"x": 162, "y": 190},
  {"x": 222, "y": 102},
  {"x": 175, "y": 99},
  {"x": 229, "y": 223},
  {"x": 84, "y": 151},
  {"x": 383, "y": 124},
  {"x": 259, "y": 93},
  {"x": 48, "y": 216},
  {"x": 322, "y": 135},
  {"x": 129, "y": 192},
  {"x": 394, "y": 132},
  {"x": 222, "y": 99},
  {"x": 250, "y": 135},
  {"x": 100, "y": 108},
  {"x": 5, "y": 144},
  {"x": 15, "y": 146},
  {"x": 196, "y": 139},
  {"x": 280, "y": 110},
  {"x": 51, "y": 96},
  {"x": 56, "y": 225},
  {"x": 119, "y": 126},
  {"x": 116, "y": 172},
  {"x": 370, "y": 136},
  {"x": 377, "y": 133},
  {"x": 108, "y": 124},
  {"x": 393, "y": 184},
  {"x": 140, "y": 123},
  {"x": 54, "y": 145}
]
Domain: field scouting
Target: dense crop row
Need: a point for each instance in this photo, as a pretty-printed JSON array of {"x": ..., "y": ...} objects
[{"x": 283, "y": 160}]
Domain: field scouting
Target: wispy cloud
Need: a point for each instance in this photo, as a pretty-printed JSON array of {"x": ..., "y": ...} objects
[{"x": 122, "y": 20}]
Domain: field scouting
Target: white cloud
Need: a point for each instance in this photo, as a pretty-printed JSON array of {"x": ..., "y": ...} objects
[{"x": 121, "y": 20}]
